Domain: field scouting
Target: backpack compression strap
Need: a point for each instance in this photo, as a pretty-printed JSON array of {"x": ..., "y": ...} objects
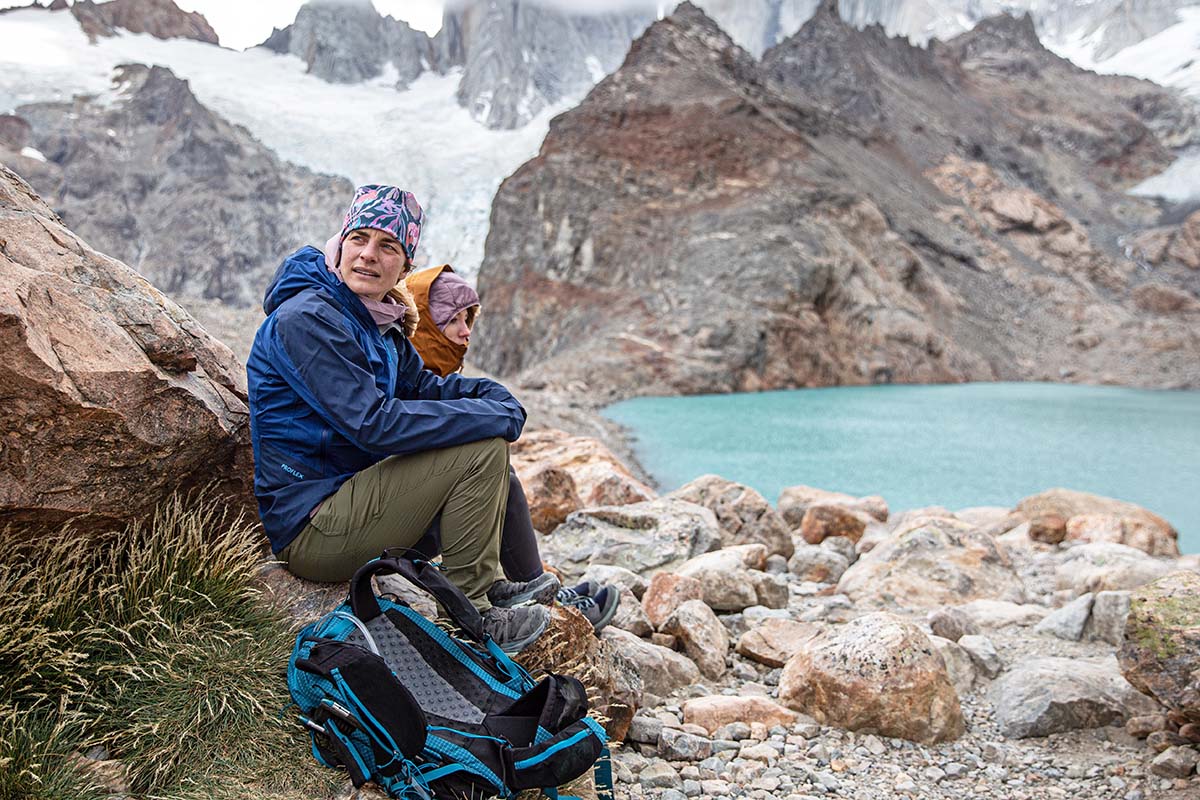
[{"x": 425, "y": 576}]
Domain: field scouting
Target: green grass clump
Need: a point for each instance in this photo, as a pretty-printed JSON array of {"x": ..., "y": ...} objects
[{"x": 153, "y": 643}]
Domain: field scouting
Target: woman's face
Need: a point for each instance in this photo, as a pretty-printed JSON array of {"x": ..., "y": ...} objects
[
  {"x": 457, "y": 330},
  {"x": 372, "y": 263}
]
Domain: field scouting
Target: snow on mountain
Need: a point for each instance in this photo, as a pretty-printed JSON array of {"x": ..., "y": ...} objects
[
  {"x": 421, "y": 138},
  {"x": 1169, "y": 58}
]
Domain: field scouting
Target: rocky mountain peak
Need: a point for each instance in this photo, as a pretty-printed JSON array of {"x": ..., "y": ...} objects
[
  {"x": 193, "y": 203},
  {"x": 348, "y": 41},
  {"x": 161, "y": 19}
]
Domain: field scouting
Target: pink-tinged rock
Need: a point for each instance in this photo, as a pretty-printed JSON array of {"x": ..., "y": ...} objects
[
  {"x": 774, "y": 641},
  {"x": 551, "y": 494},
  {"x": 1161, "y": 653},
  {"x": 716, "y": 711},
  {"x": 1068, "y": 503},
  {"x": 933, "y": 561},
  {"x": 794, "y": 501},
  {"x": 1132, "y": 531},
  {"x": 744, "y": 515},
  {"x": 702, "y": 635},
  {"x": 114, "y": 398},
  {"x": 666, "y": 592},
  {"x": 823, "y": 521},
  {"x": 877, "y": 674},
  {"x": 599, "y": 477}
]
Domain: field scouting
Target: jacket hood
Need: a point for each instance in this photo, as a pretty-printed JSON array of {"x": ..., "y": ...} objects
[
  {"x": 303, "y": 269},
  {"x": 441, "y": 356}
]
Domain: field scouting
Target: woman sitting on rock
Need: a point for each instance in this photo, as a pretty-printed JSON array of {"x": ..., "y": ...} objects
[
  {"x": 356, "y": 447},
  {"x": 448, "y": 308}
]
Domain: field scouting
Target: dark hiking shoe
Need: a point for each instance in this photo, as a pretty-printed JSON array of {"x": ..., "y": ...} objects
[
  {"x": 600, "y": 608},
  {"x": 508, "y": 594},
  {"x": 569, "y": 594},
  {"x": 514, "y": 629}
]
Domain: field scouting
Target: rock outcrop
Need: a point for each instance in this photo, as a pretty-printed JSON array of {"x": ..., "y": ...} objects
[
  {"x": 114, "y": 397},
  {"x": 866, "y": 211},
  {"x": 161, "y": 19},
  {"x": 517, "y": 57},
  {"x": 193, "y": 203},
  {"x": 1161, "y": 652}
]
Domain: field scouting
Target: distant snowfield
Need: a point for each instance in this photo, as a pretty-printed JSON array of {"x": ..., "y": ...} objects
[
  {"x": 420, "y": 139},
  {"x": 1170, "y": 58}
]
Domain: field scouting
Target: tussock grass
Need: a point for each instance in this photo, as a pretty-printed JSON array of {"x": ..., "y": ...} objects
[{"x": 152, "y": 643}]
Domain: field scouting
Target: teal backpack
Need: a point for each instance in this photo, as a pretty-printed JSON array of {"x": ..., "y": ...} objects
[{"x": 393, "y": 698}]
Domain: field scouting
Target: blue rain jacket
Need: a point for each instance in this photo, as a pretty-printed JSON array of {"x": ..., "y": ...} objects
[{"x": 330, "y": 396}]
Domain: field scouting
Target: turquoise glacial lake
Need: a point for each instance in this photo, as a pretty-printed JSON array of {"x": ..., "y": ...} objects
[{"x": 982, "y": 444}]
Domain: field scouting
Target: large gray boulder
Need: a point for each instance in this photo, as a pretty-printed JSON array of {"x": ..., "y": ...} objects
[{"x": 1042, "y": 696}]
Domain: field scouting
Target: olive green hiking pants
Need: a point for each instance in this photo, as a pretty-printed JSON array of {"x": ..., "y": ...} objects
[{"x": 392, "y": 504}]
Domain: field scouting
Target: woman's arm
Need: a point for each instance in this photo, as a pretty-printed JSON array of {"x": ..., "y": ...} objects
[{"x": 320, "y": 359}]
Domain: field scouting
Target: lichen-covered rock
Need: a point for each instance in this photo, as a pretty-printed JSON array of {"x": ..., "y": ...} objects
[
  {"x": 1106, "y": 567},
  {"x": 744, "y": 515},
  {"x": 704, "y": 638},
  {"x": 1042, "y": 696},
  {"x": 114, "y": 397},
  {"x": 878, "y": 674},
  {"x": 717, "y": 711},
  {"x": 930, "y": 562},
  {"x": 640, "y": 536},
  {"x": 1161, "y": 653},
  {"x": 1127, "y": 524}
]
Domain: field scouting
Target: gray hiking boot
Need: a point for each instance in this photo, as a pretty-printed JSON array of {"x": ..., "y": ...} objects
[
  {"x": 514, "y": 629},
  {"x": 540, "y": 590},
  {"x": 600, "y": 608}
]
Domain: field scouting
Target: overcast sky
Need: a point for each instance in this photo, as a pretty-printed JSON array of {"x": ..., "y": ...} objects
[{"x": 245, "y": 23}]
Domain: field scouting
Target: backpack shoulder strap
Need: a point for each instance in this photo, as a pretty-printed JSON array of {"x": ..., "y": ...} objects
[{"x": 424, "y": 575}]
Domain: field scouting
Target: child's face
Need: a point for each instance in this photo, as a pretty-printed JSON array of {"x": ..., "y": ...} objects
[{"x": 457, "y": 330}]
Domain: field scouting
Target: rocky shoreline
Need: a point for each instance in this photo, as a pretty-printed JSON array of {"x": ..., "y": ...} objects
[{"x": 827, "y": 646}]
